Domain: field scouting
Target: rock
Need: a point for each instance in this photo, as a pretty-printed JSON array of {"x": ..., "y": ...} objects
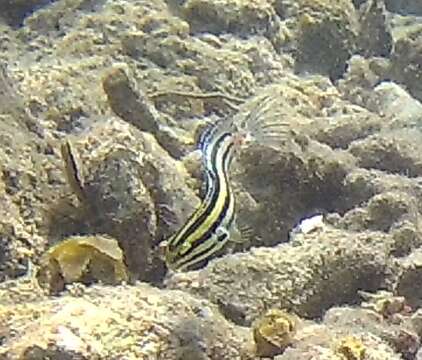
[
  {"x": 14, "y": 11},
  {"x": 362, "y": 184},
  {"x": 132, "y": 105},
  {"x": 406, "y": 59},
  {"x": 393, "y": 151},
  {"x": 312, "y": 171},
  {"x": 128, "y": 102},
  {"x": 395, "y": 103},
  {"x": 384, "y": 303},
  {"x": 328, "y": 342},
  {"x": 399, "y": 337},
  {"x": 230, "y": 16},
  {"x": 298, "y": 277},
  {"x": 27, "y": 169},
  {"x": 359, "y": 81},
  {"x": 140, "y": 322},
  {"x": 375, "y": 37},
  {"x": 405, "y": 7},
  {"x": 125, "y": 191},
  {"x": 382, "y": 212},
  {"x": 407, "y": 277},
  {"x": 327, "y": 33}
]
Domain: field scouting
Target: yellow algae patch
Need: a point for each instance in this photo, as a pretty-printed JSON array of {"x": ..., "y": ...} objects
[
  {"x": 85, "y": 259},
  {"x": 351, "y": 348},
  {"x": 274, "y": 332}
]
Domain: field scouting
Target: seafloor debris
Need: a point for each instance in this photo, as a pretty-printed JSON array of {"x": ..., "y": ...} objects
[
  {"x": 274, "y": 332},
  {"x": 83, "y": 259}
]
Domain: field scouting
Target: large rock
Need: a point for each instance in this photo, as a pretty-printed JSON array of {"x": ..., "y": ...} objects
[
  {"x": 299, "y": 276},
  {"x": 123, "y": 322}
]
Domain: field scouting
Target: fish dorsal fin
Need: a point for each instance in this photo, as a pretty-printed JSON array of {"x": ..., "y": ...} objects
[{"x": 264, "y": 123}]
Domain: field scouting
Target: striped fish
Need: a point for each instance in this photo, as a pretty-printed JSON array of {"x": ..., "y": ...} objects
[
  {"x": 213, "y": 223},
  {"x": 208, "y": 229}
]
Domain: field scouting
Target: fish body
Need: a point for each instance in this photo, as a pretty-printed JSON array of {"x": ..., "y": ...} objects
[
  {"x": 208, "y": 228},
  {"x": 213, "y": 223}
]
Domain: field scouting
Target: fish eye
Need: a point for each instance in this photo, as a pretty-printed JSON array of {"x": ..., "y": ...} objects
[{"x": 222, "y": 234}]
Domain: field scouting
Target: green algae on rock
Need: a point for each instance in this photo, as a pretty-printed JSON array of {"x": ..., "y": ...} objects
[{"x": 83, "y": 259}]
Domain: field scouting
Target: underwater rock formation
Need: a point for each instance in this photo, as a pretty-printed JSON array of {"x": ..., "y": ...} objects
[
  {"x": 327, "y": 35},
  {"x": 139, "y": 322},
  {"x": 299, "y": 277},
  {"x": 407, "y": 278},
  {"x": 406, "y": 60},
  {"x": 131, "y": 86},
  {"x": 228, "y": 16},
  {"x": 126, "y": 192},
  {"x": 394, "y": 151},
  {"x": 14, "y": 11},
  {"x": 408, "y": 7}
]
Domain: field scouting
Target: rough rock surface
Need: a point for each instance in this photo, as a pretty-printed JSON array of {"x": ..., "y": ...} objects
[
  {"x": 298, "y": 276},
  {"x": 101, "y": 107},
  {"x": 139, "y": 322},
  {"x": 14, "y": 12},
  {"x": 412, "y": 7}
]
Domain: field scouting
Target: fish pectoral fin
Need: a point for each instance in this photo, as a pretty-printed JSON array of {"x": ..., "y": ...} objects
[
  {"x": 240, "y": 234},
  {"x": 247, "y": 233}
]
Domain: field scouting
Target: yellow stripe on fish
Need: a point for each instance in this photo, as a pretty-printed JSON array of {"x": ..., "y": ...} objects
[{"x": 207, "y": 230}]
